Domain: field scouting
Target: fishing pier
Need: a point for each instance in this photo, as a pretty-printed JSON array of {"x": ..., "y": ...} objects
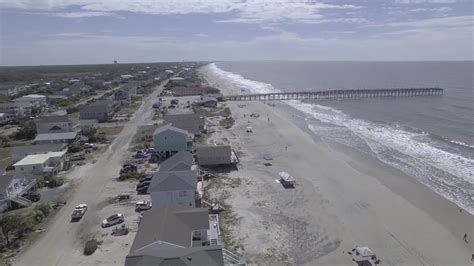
[{"x": 336, "y": 94}]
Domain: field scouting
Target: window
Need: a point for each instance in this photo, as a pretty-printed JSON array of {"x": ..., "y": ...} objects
[{"x": 183, "y": 193}]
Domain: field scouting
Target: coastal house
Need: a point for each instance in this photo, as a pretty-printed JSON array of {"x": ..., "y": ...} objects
[
  {"x": 54, "y": 138},
  {"x": 31, "y": 101},
  {"x": 192, "y": 90},
  {"x": 168, "y": 140},
  {"x": 176, "y": 187},
  {"x": 5, "y": 118},
  {"x": 176, "y": 235},
  {"x": 213, "y": 155},
  {"x": 176, "y": 81},
  {"x": 189, "y": 121},
  {"x": 102, "y": 111},
  {"x": 56, "y": 124},
  {"x": 47, "y": 164},
  {"x": 19, "y": 152},
  {"x": 181, "y": 161},
  {"x": 126, "y": 91},
  {"x": 13, "y": 187},
  {"x": 12, "y": 110},
  {"x": 208, "y": 101},
  {"x": 12, "y": 91}
]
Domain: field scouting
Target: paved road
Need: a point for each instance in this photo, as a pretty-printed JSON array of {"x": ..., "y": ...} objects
[{"x": 62, "y": 239}]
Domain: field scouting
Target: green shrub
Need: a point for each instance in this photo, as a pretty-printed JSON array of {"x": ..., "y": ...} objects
[
  {"x": 43, "y": 208},
  {"x": 226, "y": 112},
  {"x": 72, "y": 109},
  {"x": 91, "y": 246},
  {"x": 130, "y": 175},
  {"x": 75, "y": 148},
  {"x": 56, "y": 181},
  {"x": 40, "y": 181},
  {"x": 227, "y": 122}
]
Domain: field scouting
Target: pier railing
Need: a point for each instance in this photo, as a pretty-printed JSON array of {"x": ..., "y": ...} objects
[{"x": 336, "y": 94}]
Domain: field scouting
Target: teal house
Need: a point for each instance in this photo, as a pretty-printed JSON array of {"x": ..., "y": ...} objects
[{"x": 168, "y": 140}]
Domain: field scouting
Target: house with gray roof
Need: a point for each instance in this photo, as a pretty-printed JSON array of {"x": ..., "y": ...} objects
[
  {"x": 19, "y": 152},
  {"x": 176, "y": 235},
  {"x": 102, "y": 111},
  {"x": 126, "y": 91},
  {"x": 54, "y": 138},
  {"x": 212, "y": 155},
  {"x": 173, "y": 187},
  {"x": 189, "y": 121},
  {"x": 168, "y": 140},
  {"x": 181, "y": 161}
]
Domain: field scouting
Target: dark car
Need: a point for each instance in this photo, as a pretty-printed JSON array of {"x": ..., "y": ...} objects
[
  {"x": 145, "y": 178},
  {"x": 145, "y": 183},
  {"x": 142, "y": 190}
]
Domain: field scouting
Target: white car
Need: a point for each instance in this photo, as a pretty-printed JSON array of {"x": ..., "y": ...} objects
[
  {"x": 117, "y": 218},
  {"x": 142, "y": 205},
  {"x": 79, "y": 211}
]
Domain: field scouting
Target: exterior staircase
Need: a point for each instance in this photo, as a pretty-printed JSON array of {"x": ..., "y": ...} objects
[
  {"x": 21, "y": 201},
  {"x": 231, "y": 259}
]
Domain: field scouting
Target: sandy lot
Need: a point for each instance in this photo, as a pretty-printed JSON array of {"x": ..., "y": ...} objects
[
  {"x": 94, "y": 184},
  {"x": 339, "y": 202}
]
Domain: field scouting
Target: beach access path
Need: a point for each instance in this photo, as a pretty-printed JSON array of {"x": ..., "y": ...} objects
[{"x": 94, "y": 184}]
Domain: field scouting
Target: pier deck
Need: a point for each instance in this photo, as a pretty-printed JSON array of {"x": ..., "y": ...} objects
[{"x": 336, "y": 94}]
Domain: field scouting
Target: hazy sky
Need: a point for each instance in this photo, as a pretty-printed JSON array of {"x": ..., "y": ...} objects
[{"x": 86, "y": 31}]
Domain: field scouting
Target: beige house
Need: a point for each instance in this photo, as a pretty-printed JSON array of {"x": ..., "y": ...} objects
[{"x": 47, "y": 164}]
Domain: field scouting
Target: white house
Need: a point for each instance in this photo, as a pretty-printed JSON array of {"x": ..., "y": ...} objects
[
  {"x": 45, "y": 164},
  {"x": 56, "y": 124},
  {"x": 175, "y": 187}
]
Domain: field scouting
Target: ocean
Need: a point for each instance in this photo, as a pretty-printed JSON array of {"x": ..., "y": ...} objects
[{"x": 428, "y": 138}]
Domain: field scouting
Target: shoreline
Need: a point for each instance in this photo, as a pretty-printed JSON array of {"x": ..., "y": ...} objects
[{"x": 390, "y": 199}]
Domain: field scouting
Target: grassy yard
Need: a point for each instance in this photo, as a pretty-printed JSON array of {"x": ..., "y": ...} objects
[
  {"x": 143, "y": 136},
  {"x": 110, "y": 131}
]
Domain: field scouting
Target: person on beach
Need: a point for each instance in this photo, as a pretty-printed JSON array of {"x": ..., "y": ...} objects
[{"x": 465, "y": 238}]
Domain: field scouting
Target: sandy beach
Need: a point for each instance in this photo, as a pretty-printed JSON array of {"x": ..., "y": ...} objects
[{"x": 342, "y": 199}]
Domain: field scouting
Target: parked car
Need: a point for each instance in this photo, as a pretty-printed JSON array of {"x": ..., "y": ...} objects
[
  {"x": 77, "y": 157},
  {"x": 141, "y": 155},
  {"x": 88, "y": 145},
  {"x": 145, "y": 178},
  {"x": 117, "y": 218},
  {"x": 32, "y": 196},
  {"x": 142, "y": 190},
  {"x": 145, "y": 183},
  {"x": 79, "y": 211},
  {"x": 142, "y": 205},
  {"x": 128, "y": 168}
]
